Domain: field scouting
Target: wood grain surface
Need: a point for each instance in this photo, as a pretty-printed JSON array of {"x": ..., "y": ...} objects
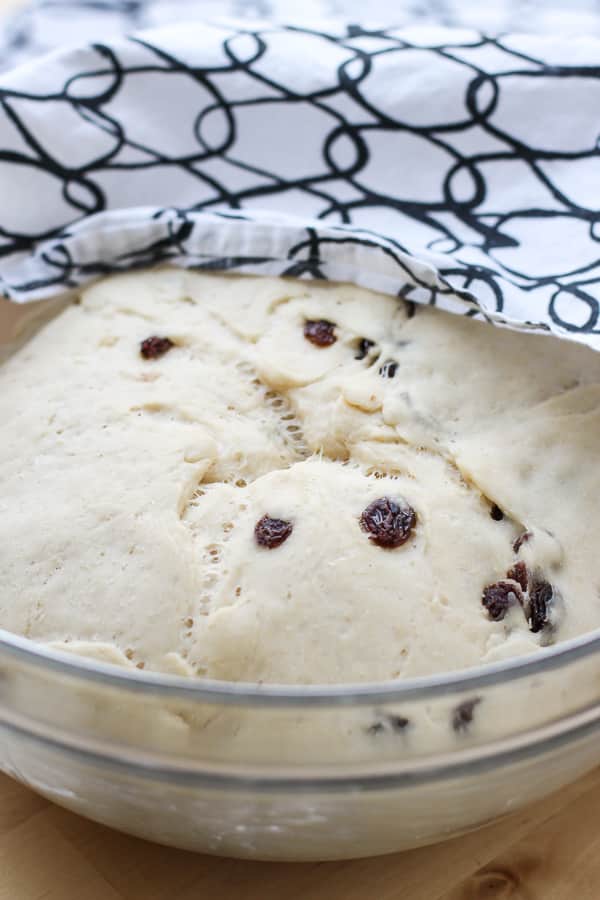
[{"x": 550, "y": 851}]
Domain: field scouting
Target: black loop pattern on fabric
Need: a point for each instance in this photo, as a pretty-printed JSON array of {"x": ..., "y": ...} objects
[{"x": 445, "y": 166}]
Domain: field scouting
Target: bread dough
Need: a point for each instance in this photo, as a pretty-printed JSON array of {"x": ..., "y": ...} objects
[{"x": 130, "y": 488}]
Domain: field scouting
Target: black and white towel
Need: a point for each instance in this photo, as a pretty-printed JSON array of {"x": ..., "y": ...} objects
[{"x": 438, "y": 163}]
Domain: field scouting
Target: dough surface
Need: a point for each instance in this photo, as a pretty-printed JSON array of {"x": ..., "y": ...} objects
[{"x": 130, "y": 488}]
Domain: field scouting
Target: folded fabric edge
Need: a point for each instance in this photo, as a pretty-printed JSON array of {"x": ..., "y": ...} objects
[{"x": 125, "y": 240}]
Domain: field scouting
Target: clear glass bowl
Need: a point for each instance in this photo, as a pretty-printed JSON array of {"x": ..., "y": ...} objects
[
  {"x": 292, "y": 772},
  {"x": 297, "y": 773}
]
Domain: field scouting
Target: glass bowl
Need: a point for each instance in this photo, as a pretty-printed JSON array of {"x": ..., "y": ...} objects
[{"x": 295, "y": 773}]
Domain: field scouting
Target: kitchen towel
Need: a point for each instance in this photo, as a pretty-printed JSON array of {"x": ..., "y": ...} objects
[{"x": 437, "y": 163}]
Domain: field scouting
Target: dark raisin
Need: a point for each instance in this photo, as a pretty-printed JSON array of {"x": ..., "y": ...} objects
[
  {"x": 272, "y": 533},
  {"x": 398, "y": 723},
  {"x": 364, "y": 345},
  {"x": 154, "y": 346},
  {"x": 496, "y": 513},
  {"x": 411, "y": 308},
  {"x": 541, "y": 595},
  {"x": 376, "y": 728},
  {"x": 320, "y": 332},
  {"x": 389, "y": 723},
  {"x": 499, "y": 597},
  {"x": 388, "y": 369},
  {"x": 522, "y": 539},
  {"x": 519, "y": 574},
  {"x": 462, "y": 715},
  {"x": 387, "y": 523}
]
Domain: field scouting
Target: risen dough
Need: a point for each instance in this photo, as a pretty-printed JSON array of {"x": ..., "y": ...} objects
[{"x": 130, "y": 488}]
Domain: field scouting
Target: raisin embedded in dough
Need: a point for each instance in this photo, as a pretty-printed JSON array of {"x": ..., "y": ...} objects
[
  {"x": 498, "y": 598},
  {"x": 462, "y": 715},
  {"x": 155, "y": 346},
  {"x": 541, "y": 595},
  {"x": 398, "y": 723},
  {"x": 389, "y": 722},
  {"x": 320, "y": 332},
  {"x": 519, "y": 574},
  {"x": 388, "y": 369},
  {"x": 387, "y": 523},
  {"x": 364, "y": 347},
  {"x": 522, "y": 539},
  {"x": 376, "y": 728},
  {"x": 271, "y": 533}
]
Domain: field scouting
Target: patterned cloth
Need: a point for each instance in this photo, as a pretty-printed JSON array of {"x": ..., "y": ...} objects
[
  {"x": 428, "y": 162},
  {"x": 47, "y": 24}
]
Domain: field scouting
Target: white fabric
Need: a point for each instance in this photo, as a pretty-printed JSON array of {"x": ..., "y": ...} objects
[{"x": 430, "y": 162}]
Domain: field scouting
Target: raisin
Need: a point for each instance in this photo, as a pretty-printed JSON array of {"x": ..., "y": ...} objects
[
  {"x": 462, "y": 716},
  {"x": 522, "y": 539},
  {"x": 499, "y": 597},
  {"x": 387, "y": 523},
  {"x": 376, "y": 728},
  {"x": 364, "y": 345},
  {"x": 389, "y": 722},
  {"x": 541, "y": 595},
  {"x": 320, "y": 332},
  {"x": 388, "y": 369},
  {"x": 154, "y": 346},
  {"x": 271, "y": 533},
  {"x": 519, "y": 574},
  {"x": 398, "y": 723},
  {"x": 496, "y": 513}
]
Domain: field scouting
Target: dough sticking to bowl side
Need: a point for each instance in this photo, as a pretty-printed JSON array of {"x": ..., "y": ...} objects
[{"x": 269, "y": 480}]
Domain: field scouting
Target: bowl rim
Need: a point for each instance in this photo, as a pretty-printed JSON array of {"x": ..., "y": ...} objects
[
  {"x": 468, "y": 762},
  {"x": 205, "y": 690}
]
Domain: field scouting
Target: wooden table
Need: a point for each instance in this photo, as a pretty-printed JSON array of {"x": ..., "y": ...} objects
[{"x": 548, "y": 852}]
